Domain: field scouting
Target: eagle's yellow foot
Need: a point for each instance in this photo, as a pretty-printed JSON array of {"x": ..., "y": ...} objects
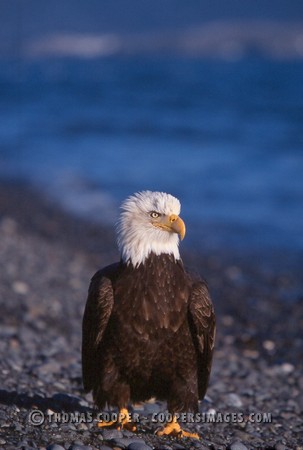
[
  {"x": 173, "y": 429},
  {"x": 123, "y": 421}
]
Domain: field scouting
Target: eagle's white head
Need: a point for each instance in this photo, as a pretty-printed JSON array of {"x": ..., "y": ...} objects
[{"x": 149, "y": 222}]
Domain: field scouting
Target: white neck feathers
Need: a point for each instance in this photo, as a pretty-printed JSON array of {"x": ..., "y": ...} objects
[{"x": 137, "y": 236}]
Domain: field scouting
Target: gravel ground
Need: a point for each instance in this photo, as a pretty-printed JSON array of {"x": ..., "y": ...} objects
[{"x": 255, "y": 398}]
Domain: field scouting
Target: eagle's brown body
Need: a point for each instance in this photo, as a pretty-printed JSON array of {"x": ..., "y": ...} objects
[{"x": 147, "y": 331}]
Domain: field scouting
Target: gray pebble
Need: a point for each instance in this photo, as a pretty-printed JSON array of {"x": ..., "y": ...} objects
[
  {"x": 8, "y": 331},
  {"x": 105, "y": 447},
  {"x": 111, "y": 434},
  {"x": 151, "y": 408},
  {"x": 17, "y": 427},
  {"x": 48, "y": 368},
  {"x": 79, "y": 447},
  {"x": 22, "y": 444},
  {"x": 199, "y": 446},
  {"x": 280, "y": 447},
  {"x": 125, "y": 442},
  {"x": 127, "y": 433},
  {"x": 237, "y": 445},
  {"x": 82, "y": 427},
  {"x": 68, "y": 427},
  {"x": 139, "y": 446},
  {"x": 234, "y": 400},
  {"x": 54, "y": 447}
]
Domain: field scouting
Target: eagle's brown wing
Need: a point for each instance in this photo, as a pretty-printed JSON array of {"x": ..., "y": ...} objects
[
  {"x": 203, "y": 326},
  {"x": 97, "y": 312}
]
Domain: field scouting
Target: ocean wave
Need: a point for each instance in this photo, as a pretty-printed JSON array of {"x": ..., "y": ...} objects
[
  {"x": 79, "y": 196},
  {"x": 229, "y": 40},
  {"x": 77, "y": 45}
]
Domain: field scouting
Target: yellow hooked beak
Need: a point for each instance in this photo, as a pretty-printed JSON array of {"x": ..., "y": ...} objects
[{"x": 173, "y": 224}]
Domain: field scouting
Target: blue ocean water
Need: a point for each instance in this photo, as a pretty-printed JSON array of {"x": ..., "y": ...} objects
[{"x": 226, "y": 137}]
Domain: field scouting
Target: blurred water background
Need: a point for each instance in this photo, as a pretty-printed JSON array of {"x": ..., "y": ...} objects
[{"x": 209, "y": 110}]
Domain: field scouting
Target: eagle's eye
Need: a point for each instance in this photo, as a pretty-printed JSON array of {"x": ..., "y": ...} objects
[{"x": 154, "y": 215}]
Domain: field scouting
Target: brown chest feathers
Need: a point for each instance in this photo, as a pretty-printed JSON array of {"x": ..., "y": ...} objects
[{"x": 152, "y": 297}]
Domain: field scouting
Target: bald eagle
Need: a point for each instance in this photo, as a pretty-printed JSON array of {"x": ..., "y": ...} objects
[{"x": 148, "y": 326}]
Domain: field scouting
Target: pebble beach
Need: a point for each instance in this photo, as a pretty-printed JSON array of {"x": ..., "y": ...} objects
[{"x": 47, "y": 257}]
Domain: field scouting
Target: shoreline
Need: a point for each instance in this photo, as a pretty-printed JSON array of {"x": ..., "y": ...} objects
[
  {"x": 54, "y": 222},
  {"x": 48, "y": 258}
]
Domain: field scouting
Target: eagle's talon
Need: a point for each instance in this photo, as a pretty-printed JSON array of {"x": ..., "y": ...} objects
[
  {"x": 173, "y": 429},
  {"x": 190, "y": 435},
  {"x": 129, "y": 426},
  {"x": 103, "y": 424},
  {"x": 123, "y": 422}
]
